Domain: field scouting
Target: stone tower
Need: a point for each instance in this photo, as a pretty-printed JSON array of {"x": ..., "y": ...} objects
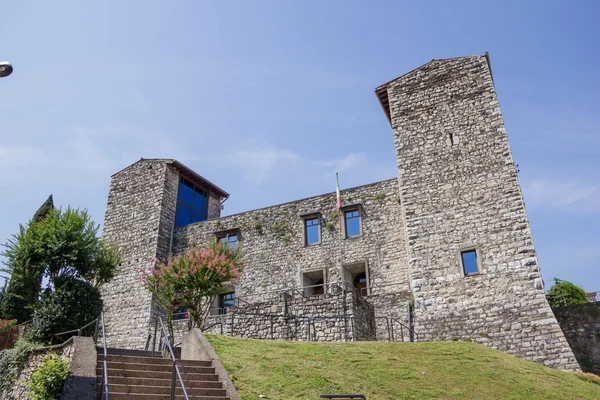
[
  {"x": 143, "y": 202},
  {"x": 473, "y": 267}
]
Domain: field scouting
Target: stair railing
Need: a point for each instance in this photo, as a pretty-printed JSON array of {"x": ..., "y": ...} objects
[
  {"x": 167, "y": 341},
  {"x": 105, "y": 368}
]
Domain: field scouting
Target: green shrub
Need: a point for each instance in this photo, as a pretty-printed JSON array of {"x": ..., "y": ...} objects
[
  {"x": 5, "y": 324},
  {"x": 72, "y": 304},
  {"x": 11, "y": 361},
  {"x": 564, "y": 294},
  {"x": 47, "y": 381}
]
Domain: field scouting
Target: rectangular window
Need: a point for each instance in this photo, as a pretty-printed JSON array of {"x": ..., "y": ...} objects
[
  {"x": 192, "y": 203},
  {"x": 180, "y": 313},
  {"x": 469, "y": 261},
  {"x": 313, "y": 283},
  {"x": 352, "y": 222},
  {"x": 230, "y": 239},
  {"x": 311, "y": 231},
  {"x": 226, "y": 300}
]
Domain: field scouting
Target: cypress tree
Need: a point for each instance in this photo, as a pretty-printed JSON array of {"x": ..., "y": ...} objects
[
  {"x": 44, "y": 210},
  {"x": 25, "y": 273}
]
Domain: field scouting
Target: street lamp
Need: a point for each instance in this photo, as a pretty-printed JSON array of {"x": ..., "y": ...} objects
[{"x": 5, "y": 69}]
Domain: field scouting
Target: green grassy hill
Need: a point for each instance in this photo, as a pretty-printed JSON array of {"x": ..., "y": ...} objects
[{"x": 448, "y": 370}]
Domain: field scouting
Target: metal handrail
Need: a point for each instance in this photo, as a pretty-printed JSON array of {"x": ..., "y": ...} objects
[
  {"x": 415, "y": 336},
  {"x": 215, "y": 324},
  {"x": 105, "y": 368},
  {"x": 167, "y": 340},
  {"x": 80, "y": 330},
  {"x": 389, "y": 322}
]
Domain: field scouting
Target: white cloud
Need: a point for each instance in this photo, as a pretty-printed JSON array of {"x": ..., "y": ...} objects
[{"x": 553, "y": 196}]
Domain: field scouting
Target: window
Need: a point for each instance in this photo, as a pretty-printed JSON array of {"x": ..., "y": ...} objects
[
  {"x": 226, "y": 300},
  {"x": 192, "y": 203},
  {"x": 231, "y": 239},
  {"x": 470, "y": 262},
  {"x": 356, "y": 276},
  {"x": 313, "y": 283},
  {"x": 312, "y": 231},
  {"x": 352, "y": 222},
  {"x": 180, "y": 313},
  {"x": 360, "y": 282}
]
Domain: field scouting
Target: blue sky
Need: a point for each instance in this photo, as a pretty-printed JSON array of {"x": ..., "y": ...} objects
[{"x": 269, "y": 99}]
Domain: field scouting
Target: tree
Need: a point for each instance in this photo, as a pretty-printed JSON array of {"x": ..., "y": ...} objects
[
  {"x": 68, "y": 244},
  {"x": 72, "y": 304},
  {"x": 59, "y": 244},
  {"x": 44, "y": 210},
  {"x": 193, "y": 279},
  {"x": 25, "y": 271},
  {"x": 3, "y": 290},
  {"x": 564, "y": 294}
]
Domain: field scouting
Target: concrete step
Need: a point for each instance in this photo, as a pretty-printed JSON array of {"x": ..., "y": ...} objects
[
  {"x": 165, "y": 390},
  {"x": 189, "y": 381},
  {"x": 154, "y": 360},
  {"x": 189, "y": 369},
  {"x": 156, "y": 374},
  {"x": 128, "y": 352}
]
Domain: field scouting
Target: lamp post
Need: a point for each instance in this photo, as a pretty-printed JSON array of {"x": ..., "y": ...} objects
[{"x": 5, "y": 69}]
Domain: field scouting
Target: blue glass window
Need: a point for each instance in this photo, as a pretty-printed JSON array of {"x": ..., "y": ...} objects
[
  {"x": 312, "y": 230},
  {"x": 226, "y": 300},
  {"x": 352, "y": 218},
  {"x": 469, "y": 261},
  {"x": 231, "y": 240},
  {"x": 192, "y": 203}
]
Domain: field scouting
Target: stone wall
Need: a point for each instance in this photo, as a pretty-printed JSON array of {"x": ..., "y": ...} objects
[
  {"x": 459, "y": 190},
  {"x": 337, "y": 315},
  {"x": 581, "y": 326},
  {"x": 139, "y": 218},
  {"x": 18, "y": 390},
  {"x": 275, "y": 256},
  {"x": 214, "y": 206}
]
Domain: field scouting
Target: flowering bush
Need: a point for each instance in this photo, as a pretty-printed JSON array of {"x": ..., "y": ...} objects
[{"x": 193, "y": 279}]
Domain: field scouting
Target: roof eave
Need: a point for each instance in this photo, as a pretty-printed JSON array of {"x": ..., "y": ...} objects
[{"x": 199, "y": 178}]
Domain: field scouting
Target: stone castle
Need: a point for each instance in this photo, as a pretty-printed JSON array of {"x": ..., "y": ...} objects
[{"x": 442, "y": 252}]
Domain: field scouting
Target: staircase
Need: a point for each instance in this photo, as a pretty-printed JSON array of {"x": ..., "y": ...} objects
[{"x": 135, "y": 374}]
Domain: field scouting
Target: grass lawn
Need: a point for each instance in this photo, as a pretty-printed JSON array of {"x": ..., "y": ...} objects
[{"x": 379, "y": 370}]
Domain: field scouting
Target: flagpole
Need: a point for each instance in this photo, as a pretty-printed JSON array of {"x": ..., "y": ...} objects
[{"x": 341, "y": 230}]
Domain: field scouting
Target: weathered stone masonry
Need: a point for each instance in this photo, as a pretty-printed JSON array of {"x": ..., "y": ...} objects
[
  {"x": 275, "y": 256},
  {"x": 140, "y": 215},
  {"x": 581, "y": 325},
  {"x": 457, "y": 189}
]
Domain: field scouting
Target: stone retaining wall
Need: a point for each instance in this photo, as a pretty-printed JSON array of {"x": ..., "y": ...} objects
[
  {"x": 581, "y": 326},
  {"x": 338, "y": 316},
  {"x": 18, "y": 390}
]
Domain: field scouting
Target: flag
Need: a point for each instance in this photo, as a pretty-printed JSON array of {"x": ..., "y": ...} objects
[{"x": 337, "y": 192}]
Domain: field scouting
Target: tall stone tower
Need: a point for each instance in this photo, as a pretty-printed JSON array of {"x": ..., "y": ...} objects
[
  {"x": 144, "y": 205},
  {"x": 473, "y": 267}
]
